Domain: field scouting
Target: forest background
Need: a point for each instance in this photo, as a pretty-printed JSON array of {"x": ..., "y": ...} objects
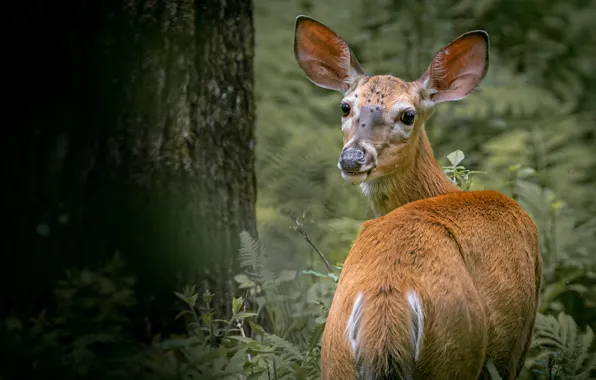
[{"x": 259, "y": 310}]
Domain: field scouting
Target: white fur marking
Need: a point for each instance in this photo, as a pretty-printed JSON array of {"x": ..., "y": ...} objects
[
  {"x": 346, "y": 124},
  {"x": 353, "y": 326},
  {"x": 376, "y": 189},
  {"x": 428, "y": 104},
  {"x": 398, "y": 107},
  {"x": 417, "y": 322}
]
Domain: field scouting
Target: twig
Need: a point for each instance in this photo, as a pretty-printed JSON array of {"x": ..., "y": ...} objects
[
  {"x": 239, "y": 322},
  {"x": 300, "y": 229}
]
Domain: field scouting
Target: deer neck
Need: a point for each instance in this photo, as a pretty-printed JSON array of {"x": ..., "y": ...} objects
[{"x": 419, "y": 178}]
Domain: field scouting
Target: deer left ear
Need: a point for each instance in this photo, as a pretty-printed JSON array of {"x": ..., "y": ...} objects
[
  {"x": 324, "y": 56},
  {"x": 457, "y": 69}
]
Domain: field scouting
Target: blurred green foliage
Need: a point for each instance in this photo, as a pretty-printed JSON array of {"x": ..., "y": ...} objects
[
  {"x": 526, "y": 111},
  {"x": 530, "y": 127},
  {"x": 529, "y": 112}
]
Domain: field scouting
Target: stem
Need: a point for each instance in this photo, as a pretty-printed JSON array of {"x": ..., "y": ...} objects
[
  {"x": 242, "y": 330},
  {"x": 300, "y": 229}
]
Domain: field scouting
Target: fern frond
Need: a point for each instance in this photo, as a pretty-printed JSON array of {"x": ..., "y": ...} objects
[
  {"x": 560, "y": 339},
  {"x": 248, "y": 254},
  {"x": 289, "y": 351}
]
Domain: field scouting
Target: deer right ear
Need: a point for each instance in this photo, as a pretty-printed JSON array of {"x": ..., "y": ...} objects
[
  {"x": 458, "y": 68},
  {"x": 324, "y": 56}
]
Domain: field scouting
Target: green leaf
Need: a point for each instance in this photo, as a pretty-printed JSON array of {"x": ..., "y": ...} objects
[
  {"x": 256, "y": 327},
  {"x": 105, "y": 286},
  {"x": 64, "y": 294},
  {"x": 182, "y": 313},
  {"x": 13, "y": 323},
  {"x": 192, "y": 301},
  {"x": 207, "y": 297},
  {"x": 241, "y": 278},
  {"x": 237, "y": 361},
  {"x": 256, "y": 374},
  {"x": 492, "y": 370},
  {"x": 261, "y": 301},
  {"x": 180, "y": 296},
  {"x": 86, "y": 340},
  {"x": 315, "y": 337},
  {"x": 224, "y": 321},
  {"x": 218, "y": 364},
  {"x": 332, "y": 276},
  {"x": 87, "y": 277},
  {"x": 237, "y": 304},
  {"x": 526, "y": 172},
  {"x": 321, "y": 319},
  {"x": 312, "y": 272},
  {"x": 243, "y": 315},
  {"x": 207, "y": 319},
  {"x": 286, "y": 275},
  {"x": 43, "y": 230},
  {"x": 244, "y": 282},
  {"x": 456, "y": 157},
  {"x": 175, "y": 343},
  {"x": 241, "y": 338}
]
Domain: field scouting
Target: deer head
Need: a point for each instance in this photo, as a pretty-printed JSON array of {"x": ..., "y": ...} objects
[{"x": 382, "y": 116}]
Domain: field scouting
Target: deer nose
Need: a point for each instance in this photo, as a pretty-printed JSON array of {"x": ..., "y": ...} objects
[{"x": 351, "y": 159}]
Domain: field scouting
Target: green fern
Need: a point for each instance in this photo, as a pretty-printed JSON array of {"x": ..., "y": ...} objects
[
  {"x": 249, "y": 251},
  {"x": 562, "y": 239},
  {"x": 560, "y": 337},
  {"x": 553, "y": 147},
  {"x": 251, "y": 256}
]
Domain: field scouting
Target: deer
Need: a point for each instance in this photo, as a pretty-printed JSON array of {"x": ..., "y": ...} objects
[{"x": 441, "y": 280}]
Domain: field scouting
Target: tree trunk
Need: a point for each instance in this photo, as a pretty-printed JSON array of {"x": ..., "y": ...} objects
[{"x": 137, "y": 137}]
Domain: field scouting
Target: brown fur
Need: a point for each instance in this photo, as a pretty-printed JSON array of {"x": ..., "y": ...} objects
[{"x": 471, "y": 258}]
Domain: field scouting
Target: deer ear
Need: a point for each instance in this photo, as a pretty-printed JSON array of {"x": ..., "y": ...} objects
[
  {"x": 324, "y": 56},
  {"x": 458, "y": 68}
]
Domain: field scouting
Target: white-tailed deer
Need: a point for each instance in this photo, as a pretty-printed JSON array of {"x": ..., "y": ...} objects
[{"x": 442, "y": 279}]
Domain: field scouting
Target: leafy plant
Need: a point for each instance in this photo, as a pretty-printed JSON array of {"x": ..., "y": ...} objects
[
  {"x": 561, "y": 351},
  {"x": 458, "y": 173},
  {"x": 84, "y": 335}
]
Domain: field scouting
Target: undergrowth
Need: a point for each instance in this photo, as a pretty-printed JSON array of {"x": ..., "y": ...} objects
[{"x": 84, "y": 335}]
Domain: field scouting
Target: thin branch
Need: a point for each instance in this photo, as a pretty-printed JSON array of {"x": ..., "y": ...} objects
[
  {"x": 242, "y": 328},
  {"x": 300, "y": 229}
]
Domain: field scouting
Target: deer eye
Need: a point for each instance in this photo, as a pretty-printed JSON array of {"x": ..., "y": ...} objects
[
  {"x": 408, "y": 117},
  {"x": 345, "y": 109}
]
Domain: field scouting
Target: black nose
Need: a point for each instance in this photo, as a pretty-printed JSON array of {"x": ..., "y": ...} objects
[{"x": 351, "y": 159}]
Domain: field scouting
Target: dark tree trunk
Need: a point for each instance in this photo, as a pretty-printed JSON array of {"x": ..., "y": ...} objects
[{"x": 134, "y": 134}]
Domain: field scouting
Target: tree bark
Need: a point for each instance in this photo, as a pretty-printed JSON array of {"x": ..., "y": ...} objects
[{"x": 137, "y": 137}]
